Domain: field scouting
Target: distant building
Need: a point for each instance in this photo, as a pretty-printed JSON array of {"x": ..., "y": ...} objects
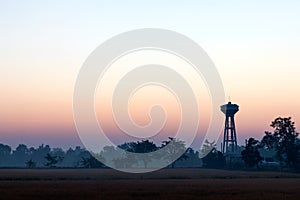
[{"x": 268, "y": 158}]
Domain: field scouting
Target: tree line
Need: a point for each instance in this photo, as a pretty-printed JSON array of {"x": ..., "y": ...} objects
[
  {"x": 283, "y": 141},
  {"x": 42, "y": 156},
  {"x": 46, "y": 157}
]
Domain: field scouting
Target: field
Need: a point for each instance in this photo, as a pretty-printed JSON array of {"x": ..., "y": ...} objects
[{"x": 164, "y": 184}]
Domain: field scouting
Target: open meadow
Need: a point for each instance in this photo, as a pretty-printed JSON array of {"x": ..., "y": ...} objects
[{"x": 163, "y": 184}]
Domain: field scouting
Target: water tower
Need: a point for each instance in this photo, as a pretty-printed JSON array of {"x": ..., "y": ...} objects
[{"x": 229, "y": 141}]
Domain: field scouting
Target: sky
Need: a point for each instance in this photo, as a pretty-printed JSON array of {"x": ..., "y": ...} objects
[{"x": 254, "y": 44}]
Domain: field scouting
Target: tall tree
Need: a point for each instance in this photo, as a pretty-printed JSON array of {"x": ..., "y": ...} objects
[
  {"x": 5, "y": 155},
  {"x": 52, "y": 160},
  {"x": 39, "y": 154},
  {"x": 173, "y": 150},
  {"x": 127, "y": 159},
  {"x": 144, "y": 148},
  {"x": 91, "y": 162},
  {"x": 207, "y": 148},
  {"x": 214, "y": 159},
  {"x": 283, "y": 140},
  {"x": 250, "y": 154},
  {"x": 30, "y": 163},
  {"x": 20, "y": 155}
]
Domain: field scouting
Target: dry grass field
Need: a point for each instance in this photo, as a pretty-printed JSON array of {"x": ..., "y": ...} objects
[{"x": 164, "y": 184}]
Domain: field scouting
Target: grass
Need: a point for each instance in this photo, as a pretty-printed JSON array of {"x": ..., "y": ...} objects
[{"x": 164, "y": 184}]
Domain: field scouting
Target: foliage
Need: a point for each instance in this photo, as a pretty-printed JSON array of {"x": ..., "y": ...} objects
[
  {"x": 207, "y": 147},
  {"x": 135, "y": 152},
  {"x": 173, "y": 150},
  {"x": 283, "y": 140},
  {"x": 30, "y": 164},
  {"x": 52, "y": 160},
  {"x": 214, "y": 159},
  {"x": 250, "y": 154},
  {"x": 91, "y": 162}
]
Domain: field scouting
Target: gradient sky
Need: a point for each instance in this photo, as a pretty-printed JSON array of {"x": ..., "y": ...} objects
[{"x": 254, "y": 44}]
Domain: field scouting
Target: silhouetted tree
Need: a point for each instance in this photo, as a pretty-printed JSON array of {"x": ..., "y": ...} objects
[
  {"x": 207, "y": 147},
  {"x": 214, "y": 159},
  {"x": 110, "y": 153},
  {"x": 283, "y": 140},
  {"x": 173, "y": 150},
  {"x": 39, "y": 154},
  {"x": 250, "y": 154},
  {"x": 5, "y": 155},
  {"x": 190, "y": 159},
  {"x": 72, "y": 157},
  {"x": 30, "y": 164},
  {"x": 20, "y": 155},
  {"x": 269, "y": 141},
  {"x": 91, "y": 162},
  {"x": 143, "y": 148},
  {"x": 126, "y": 159},
  {"x": 52, "y": 160}
]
